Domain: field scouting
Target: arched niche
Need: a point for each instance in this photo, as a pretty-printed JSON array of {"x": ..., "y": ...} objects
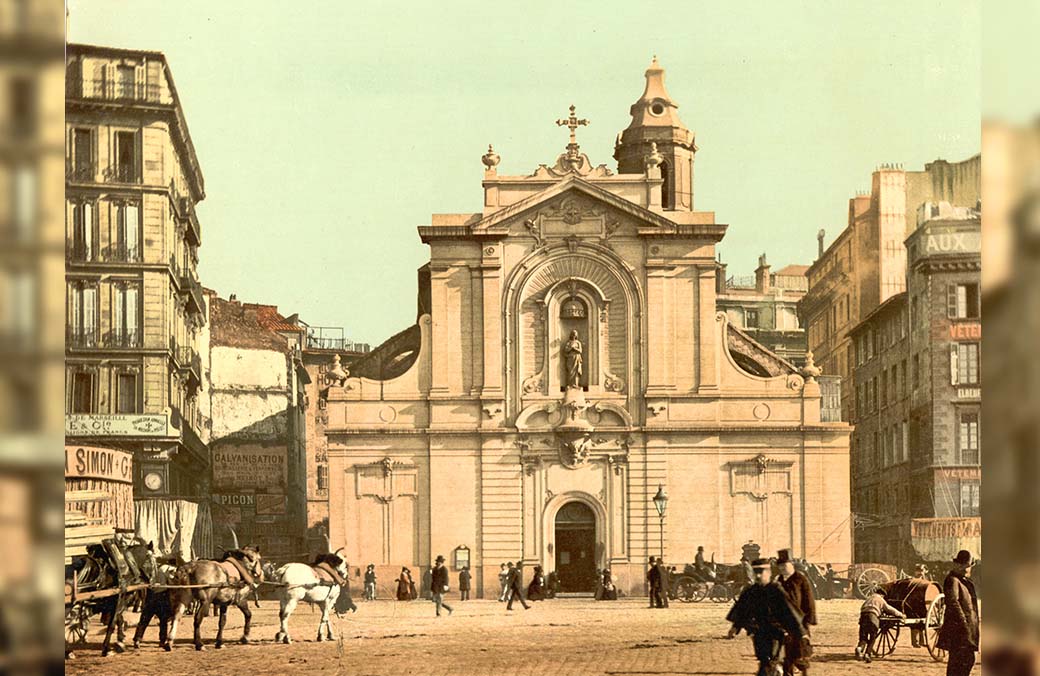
[
  {"x": 534, "y": 294},
  {"x": 558, "y": 323}
]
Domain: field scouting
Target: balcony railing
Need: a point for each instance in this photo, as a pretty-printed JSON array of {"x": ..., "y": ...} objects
[
  {"x": 79, "y": 337},
  {"x": 80, "y": 253},
  {"x": 122, "y": 253},
  {"x": 123, "y": 338},
  {"x": 111, "y": 90},
  {"x": 120, "y": 173},
  {"x": 81, "y": 174}
]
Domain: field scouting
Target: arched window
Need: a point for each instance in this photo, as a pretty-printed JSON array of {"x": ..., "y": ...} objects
[{"x": 666, "y": 187}]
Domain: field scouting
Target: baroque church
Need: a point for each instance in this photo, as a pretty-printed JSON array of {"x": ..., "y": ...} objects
[{"x": 567, "y": 365}]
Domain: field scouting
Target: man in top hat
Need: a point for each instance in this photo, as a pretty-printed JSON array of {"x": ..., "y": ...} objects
[
  {"x": 439, "y": 585},
  {"x": 798, "y": 589},
  {"x": 654, "y": 578},
  {"x": 959, "y": 634},
  {"x": 513, "y": 587},
  {"x": 763, "y": 611}
]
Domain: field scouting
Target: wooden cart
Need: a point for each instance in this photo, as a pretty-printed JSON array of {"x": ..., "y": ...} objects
[{"x": 924, "y": 605}]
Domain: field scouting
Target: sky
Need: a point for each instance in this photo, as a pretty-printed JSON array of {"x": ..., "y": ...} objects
[{"x": 327, "y": 131}]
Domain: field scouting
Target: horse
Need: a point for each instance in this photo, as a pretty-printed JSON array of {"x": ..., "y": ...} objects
[
  {"x": 318, "y": 583},
  {"x": 230, "y": 581}
]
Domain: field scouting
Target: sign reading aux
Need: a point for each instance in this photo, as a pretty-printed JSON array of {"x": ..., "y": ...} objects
[
  {"x": 943, "y": 240},
  {"x": 95, "y": 462},
  {"x": 255, "y": 467}
]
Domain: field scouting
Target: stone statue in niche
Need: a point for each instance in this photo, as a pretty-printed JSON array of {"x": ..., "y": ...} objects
[{"x": 572, "y": 350}]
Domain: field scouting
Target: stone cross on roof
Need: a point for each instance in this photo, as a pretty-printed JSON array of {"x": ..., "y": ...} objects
[{"x": 572, "y": 123}]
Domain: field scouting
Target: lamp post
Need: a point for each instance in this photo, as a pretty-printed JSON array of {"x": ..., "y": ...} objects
[{"x": 661, "y": 503}]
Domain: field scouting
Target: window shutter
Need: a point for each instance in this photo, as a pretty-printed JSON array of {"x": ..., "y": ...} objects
[
  {"x": 953, "y": 364},
  {"x": 87, "y": 209},
  {"x": 951, "y": 300},
  {"x": 132, "y": 309},
  {"x": 132, "y": 228},
  {"x": 90, "y": 311},
  {"x": 119, "y": 309},
  {"x": 75, "y": 309}
]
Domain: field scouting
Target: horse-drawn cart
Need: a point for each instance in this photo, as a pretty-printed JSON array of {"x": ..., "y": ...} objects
[
  {"x": 99, "y": 577},
  {"x": 924, "y": 605}
]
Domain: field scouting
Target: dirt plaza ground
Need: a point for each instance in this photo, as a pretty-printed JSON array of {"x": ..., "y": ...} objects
[{"x": 557, "y": 637}]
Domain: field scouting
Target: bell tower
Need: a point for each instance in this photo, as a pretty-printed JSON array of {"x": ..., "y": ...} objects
[{"x": 655, "y": 119}]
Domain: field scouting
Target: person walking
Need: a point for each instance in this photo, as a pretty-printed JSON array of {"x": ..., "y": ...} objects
[
  {"x": 797, "y": 588},
  {"x": 763, "y": 611},
  {"x": 370, "y": 582},
  {"x": 959, "y": 635},
  {"x": 513, "y": 591},
  {"x": 439, "y": 585},
  {"x": 464, "y": 579},
  {"x": 653, "y": 578},
  {"x": 503, "y": 581}
]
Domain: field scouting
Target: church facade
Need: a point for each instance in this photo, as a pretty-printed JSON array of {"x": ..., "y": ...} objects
[{"x": 568, "y": 361}]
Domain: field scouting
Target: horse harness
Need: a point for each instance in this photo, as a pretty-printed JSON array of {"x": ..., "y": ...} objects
[
  {"x": 328, "y": 575},
  {"x": 236, "y": 572}
]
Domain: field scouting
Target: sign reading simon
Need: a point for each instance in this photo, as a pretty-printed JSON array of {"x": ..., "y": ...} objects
[
  {"x": 94, "y": 462},
  {"x": 249, "y": 467},
  {"x": 136, "y": 425}
]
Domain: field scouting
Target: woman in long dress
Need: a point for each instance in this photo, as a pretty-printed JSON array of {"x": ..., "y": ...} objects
[
  {"x": 609, "y": 590},
  {"x": 405, "y": 586},
  {"x": 536, "y": 590}
]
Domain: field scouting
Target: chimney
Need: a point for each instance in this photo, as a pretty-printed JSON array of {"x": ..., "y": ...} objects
[
  {"x": 819, "y": 243},
  {"x": 762, "y": 275},
  {"x": 720, "y": 277}
]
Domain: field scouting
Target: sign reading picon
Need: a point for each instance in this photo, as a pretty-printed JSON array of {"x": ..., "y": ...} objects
[
  {"x": 95, "y": 462},
  {"x": 135, "y": 425}
]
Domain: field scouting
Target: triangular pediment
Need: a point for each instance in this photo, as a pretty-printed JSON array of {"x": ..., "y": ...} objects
[{"x": 499, "y": 220}]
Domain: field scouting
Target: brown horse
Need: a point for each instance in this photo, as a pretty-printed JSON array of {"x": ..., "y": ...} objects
[{"x": 230, "y": 581}]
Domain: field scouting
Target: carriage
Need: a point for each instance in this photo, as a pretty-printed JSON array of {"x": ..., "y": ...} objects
[
  {"x": 100, "y": 578},
  {"x": 924, "y": 605}
]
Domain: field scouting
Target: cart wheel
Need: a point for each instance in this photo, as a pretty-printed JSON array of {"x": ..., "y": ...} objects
[
  {"x": 720, "y": 593},
  {"x": 869, "y": 581},
  {"x": 77, "y": 621},
  {"x": 933, "y": 623},
  {"x": 686, "y": 590},
  {"x": 885, "y": 642},
  {"x": 700, "y": 592}
]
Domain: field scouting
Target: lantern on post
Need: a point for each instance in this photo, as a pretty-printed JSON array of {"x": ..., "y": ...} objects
[{"x": 661, "y": 503}]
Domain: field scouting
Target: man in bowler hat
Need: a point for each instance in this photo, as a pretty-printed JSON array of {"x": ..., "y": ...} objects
[
  {"x": 439, "y": 585},
  {"x": 513, "y": 588},
  {"x": 959, "y": 634}
]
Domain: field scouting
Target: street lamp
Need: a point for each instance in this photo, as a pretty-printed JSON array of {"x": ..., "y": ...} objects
[{"x": 661, "y": 503}]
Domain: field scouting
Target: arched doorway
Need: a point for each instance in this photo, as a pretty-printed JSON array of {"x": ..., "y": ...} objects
[{"x": 576, "y": 547}]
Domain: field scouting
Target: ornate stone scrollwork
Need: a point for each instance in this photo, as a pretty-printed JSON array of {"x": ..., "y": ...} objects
[
  {"x": 656, "y": 409},
  {"x": 536, "y": 231},
  {"x": 575, "y": 452},
  {"x": 795, "y": 382},
  {"x": 531, "y": 464},
  {"x": 612, "y": 383},
  {"x": 534, "y": 383}
]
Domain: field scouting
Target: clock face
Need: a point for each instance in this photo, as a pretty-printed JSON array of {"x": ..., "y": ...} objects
[{"x": 152, "y": 481}]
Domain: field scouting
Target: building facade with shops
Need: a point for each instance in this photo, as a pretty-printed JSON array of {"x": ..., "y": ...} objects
[{"x": 134, "y": 307}]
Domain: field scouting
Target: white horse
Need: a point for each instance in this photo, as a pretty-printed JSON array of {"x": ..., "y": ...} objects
[{"x": 313, "y": 583}]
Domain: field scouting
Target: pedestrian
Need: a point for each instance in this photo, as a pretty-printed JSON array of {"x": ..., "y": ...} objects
[
  {"x": 464, "y": 579},
  {"x": 763, "y": 611},
  {"x": 503, "y": 581},
  {"x": 870, "y": 614},
  {"x": 370, "y": 582},
  {"x": 536, "y": 590},
  {"x": 653, "y": 578},
  {"x": 666, "y": 580},
  {"x": 832, "y": 582},
  {"x": 609, "y": 590},
  {"x": 797, "y": 650},
  {"x": 959, "y": 635},
  {"x": 513, "y": 592},
  {"x": 405, "y": 586},
  {"x": 439, "y": 585}
]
